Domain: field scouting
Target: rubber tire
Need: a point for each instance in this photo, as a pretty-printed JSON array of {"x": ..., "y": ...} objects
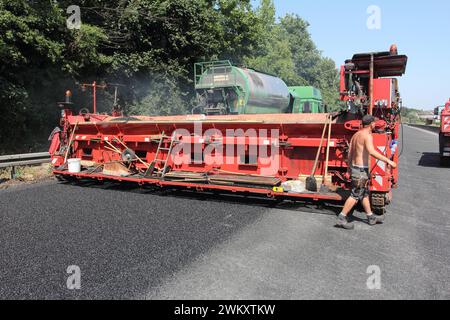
[
  {"x": 444, "y": 161},
  {"x": 379, "y": 211}
]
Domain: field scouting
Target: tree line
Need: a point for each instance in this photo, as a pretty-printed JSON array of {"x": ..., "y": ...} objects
[{"x": 149, "y": 46}]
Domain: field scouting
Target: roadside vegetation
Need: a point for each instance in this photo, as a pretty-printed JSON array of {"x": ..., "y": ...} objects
[
  {"x": 149, "y": 46},
  {"x": 418, "y": 116},
  {"x": 28, "y": 174}
]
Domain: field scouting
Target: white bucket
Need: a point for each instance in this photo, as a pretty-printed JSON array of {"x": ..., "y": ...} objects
[{"x": 74, "y": 165}]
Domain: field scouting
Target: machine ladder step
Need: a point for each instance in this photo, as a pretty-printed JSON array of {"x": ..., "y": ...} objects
[{"x": 163, "y": 142}]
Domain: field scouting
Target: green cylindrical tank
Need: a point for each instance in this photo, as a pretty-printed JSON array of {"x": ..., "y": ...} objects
[{"x": 247, "y": 91}]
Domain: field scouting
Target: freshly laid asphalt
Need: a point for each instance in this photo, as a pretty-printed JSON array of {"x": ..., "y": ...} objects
[{"x": 141, "y": 244}]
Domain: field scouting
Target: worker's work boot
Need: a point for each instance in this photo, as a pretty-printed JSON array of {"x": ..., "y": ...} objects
[
  {"x": 374, "y": 220},
  {"x": 343, "y": 223}
]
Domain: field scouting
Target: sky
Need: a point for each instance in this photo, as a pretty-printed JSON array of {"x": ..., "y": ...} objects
[{"x": 421, "y": 30}]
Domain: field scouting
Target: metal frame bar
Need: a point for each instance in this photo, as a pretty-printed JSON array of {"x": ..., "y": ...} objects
[
  {"x": 25, "y": 156},
  {"x": 202, "y": 187}
]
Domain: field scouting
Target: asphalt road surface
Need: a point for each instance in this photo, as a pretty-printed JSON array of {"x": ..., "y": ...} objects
[{"x": 138, "y": 244}]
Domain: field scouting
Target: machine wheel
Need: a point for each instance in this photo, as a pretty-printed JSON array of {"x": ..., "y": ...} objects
[
  {"x": 379, "y": 201},
  {"x": 445, "y": 161},
  {"x": 379, "y": 211}
]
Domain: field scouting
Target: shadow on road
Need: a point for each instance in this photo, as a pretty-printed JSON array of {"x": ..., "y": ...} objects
[
  {"x": 217, "y": 197},
  {"x": 430, "y": 160}
]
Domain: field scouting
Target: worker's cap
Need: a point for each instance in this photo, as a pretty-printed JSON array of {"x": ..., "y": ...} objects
[{"x": 368, "y": 119}]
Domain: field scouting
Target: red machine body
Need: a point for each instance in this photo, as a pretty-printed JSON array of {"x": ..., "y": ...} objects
[
  {"x": 250, "y": 154},
  {"x": 444, "y": 135}
]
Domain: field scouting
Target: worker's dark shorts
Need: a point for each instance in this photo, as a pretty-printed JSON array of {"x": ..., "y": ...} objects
[{"x": 360, "y": 177}]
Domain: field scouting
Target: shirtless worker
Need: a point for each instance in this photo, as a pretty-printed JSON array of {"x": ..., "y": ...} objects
[{"x": 361, "y": 148}]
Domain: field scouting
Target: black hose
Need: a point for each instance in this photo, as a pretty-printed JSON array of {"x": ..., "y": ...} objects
[{"x": 403, "y": 137}]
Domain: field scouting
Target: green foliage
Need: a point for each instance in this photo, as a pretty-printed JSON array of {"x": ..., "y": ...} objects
[
  {"x": 30, "y": 50},
  {"x": 288, "y": 51},
  {"x": 276, "y": 58},
  {"x": 410, "y": 115},
  {"x": 149, "y": 46},
  {"x": 83, "y": 55},
  {"x": 158, "y": 97}
]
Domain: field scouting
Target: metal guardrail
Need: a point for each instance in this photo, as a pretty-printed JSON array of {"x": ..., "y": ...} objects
[{"x": 19, "y": 160}]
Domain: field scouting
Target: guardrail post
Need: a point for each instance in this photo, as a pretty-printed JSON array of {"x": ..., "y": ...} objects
[{"x": 13, "y": 173}]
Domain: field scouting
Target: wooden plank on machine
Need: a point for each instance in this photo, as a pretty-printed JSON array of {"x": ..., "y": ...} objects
[{"x": 264, "y": 181}]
